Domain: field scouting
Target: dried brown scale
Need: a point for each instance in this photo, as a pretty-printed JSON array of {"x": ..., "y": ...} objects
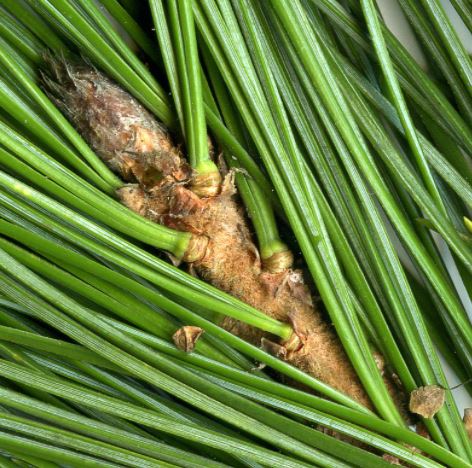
[
  {"x": 278, "y": 262},
  {"x": 427, "y": 401},
  {"x": 129, "y": 139},
  {"x": 468, "y": 422},
  {"x": 186, "y": 337},
  {"x": 206, "y": 185}
]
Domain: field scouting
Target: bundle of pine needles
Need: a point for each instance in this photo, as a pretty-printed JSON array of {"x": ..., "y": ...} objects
[{"x": 233, "y": 233}]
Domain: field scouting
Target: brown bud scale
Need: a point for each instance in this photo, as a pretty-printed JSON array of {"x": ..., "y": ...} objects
[
  {"x": 427, "y": 401},
  {"x": 186, "y": 338},
  {"x": 468, "y": 422}
]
